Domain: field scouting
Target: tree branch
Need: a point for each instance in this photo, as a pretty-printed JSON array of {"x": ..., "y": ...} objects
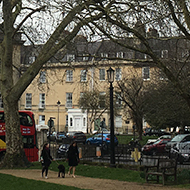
[
  {"x": 27, "y": 16},
  {"x": 176, "y": 20}
]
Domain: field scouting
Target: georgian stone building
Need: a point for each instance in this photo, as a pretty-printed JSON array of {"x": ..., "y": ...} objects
[{"x": 55, "y": 92}]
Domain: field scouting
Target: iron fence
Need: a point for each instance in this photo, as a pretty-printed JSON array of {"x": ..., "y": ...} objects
[{"x": 123, "y": 155}]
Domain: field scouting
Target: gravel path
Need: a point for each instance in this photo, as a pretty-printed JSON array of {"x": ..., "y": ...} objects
[{"x": 86, "y": 182}]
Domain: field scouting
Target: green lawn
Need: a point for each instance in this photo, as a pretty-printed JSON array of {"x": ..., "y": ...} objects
[
  {"x": 105, "y": 172},
  {"x": 9, "y": 182},
  {"x": 125, "y": 139}
]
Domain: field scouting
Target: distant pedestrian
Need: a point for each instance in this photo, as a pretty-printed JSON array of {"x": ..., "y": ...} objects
[
  {"x": 73, "y": 158},
  {"x": 46, "y": 159}
]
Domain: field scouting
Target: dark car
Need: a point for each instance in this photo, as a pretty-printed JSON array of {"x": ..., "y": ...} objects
[
  {"x": 155, "y": 132},
  {"x": 155, "y": 148},
  {"x": 77, "y": 136},
  {"x": 182, "y": 138},
  {"x": 61, "y": 136},
  {"x": 181, "y": 152},
  {"x": 97, "y": 139},
  {"x": 62, "y": 151}
]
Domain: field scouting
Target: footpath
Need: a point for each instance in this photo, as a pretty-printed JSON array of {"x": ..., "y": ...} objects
[{"x": 86, "y": 182}]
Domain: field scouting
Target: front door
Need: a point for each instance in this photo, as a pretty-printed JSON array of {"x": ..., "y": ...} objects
[{"x": 77, "y": 126}]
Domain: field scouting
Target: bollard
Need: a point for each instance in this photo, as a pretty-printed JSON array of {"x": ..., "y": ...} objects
[
  {"x": 98, "y": 152},
  {"x": 80, "y": 153}
]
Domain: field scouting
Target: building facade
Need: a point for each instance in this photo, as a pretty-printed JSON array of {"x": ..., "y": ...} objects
[{"x": 82, "y": 67}]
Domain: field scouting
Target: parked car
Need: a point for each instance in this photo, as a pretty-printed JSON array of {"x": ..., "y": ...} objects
[
  {"x": 185, "y": 131},
  {"x": 97, "y": 139},
  {"x": 155, "y": 132},
  {"x": 155, "y": 148},
  {"x": 62, "y": 151},
  {"x": 61, "y": 136},
  {"x": 182, "y": 138},
  {"x": 77, "y": 136},
  {"x": 151, "y": 141},
  {"x": 181, "y": 152},
  {"x": 52, "y": 136}
]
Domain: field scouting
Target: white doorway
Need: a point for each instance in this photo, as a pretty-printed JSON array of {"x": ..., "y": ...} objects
[{"x": 79, "y": 120}]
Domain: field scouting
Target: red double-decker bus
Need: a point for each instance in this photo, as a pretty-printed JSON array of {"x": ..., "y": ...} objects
[{"x": 28, "y": 131}]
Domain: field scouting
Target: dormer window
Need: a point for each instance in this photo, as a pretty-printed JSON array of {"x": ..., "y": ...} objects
[
  {"x": 31, "y": 59},
  {"x": 164, "y": 54},
  {"x": 119, "y": 54},
  {"x": 85, "y": 57},
  {"x": 70, "y": 57},
  {"x": 104, "y": 55}
]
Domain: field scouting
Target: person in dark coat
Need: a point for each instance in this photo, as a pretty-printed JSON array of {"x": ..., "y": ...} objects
[
  {"x": 73, "y": 158},
  {"x": 46, "y": 159}
]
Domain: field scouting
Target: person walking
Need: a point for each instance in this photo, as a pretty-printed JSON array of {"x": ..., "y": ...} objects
[
  {"x": 73, "y": 158},
  {"x": 46, "y": 159}
]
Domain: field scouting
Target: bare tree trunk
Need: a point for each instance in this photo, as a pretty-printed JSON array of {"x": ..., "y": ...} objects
[
  {"x": 139, "y": 127},
  {"x": 15, "y": 155}
]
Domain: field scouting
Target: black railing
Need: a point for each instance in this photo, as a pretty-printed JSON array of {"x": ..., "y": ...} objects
[{"x": 123, "y": 155}]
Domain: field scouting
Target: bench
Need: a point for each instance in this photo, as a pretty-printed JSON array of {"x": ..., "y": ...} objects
[{"x": 165, "y": 167}]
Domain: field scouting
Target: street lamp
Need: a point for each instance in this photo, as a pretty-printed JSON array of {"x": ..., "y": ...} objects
[
  {"x": 58, "y": 105},
  {"x": 110, "y": 75}
]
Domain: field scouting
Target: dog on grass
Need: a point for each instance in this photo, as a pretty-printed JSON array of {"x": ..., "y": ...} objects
[{"x": 61, "y": 171}]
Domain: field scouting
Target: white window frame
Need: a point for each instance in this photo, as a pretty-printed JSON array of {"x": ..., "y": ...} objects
[
  {"x": 104, "y": 56},
  {"x": 118, "y": 74},
  {"x": 102, "y": 74},
  {"x": 42, "y": 101},
  {"x": 69, "y": 97},
  {"x": 120, "y": 54},
  {"x": 70, "y": 57},
  {"x": 69, "y": 75},
  {"x": 164, "y": 54},
  {"x": 85, "y": 57},
  {"x": 43, "y": 77},
  {"x": 28, "y": 103},
  {"x": 31, "y": 59},
  {"x": 146, "y": 73},
  {"x": 102, "y": 99},
  {"x": 83, "y": 75},
  {"x": 118, "y": 121},
  {"x": 41, "y": 120}
]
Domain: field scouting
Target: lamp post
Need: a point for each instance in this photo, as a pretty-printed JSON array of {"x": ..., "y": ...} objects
[
  {"x": 58, "y": 105},
  {"x": 110, "y": 75}
]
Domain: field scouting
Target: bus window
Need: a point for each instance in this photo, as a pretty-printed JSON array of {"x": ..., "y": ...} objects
[
  {"x": 2, "y": 120},
  {"x": 25, "y": 119},
  {"x": 28, "y": 141}
]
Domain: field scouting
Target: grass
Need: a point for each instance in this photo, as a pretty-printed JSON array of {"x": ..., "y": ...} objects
[
  {"x": 102, "y": 172},
  {"x": 125, "y": 139},
  {"x": 12, "y": 183},
  {"x": 9, "y": 182}
]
